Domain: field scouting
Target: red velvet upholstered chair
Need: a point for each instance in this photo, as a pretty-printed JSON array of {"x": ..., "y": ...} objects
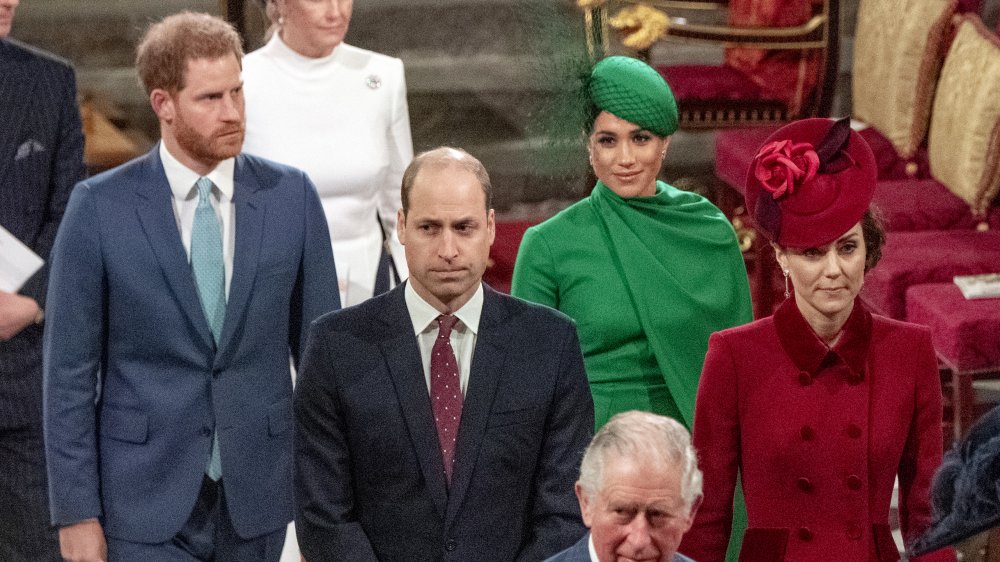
[
  {"x": 780, "y": 56},
  {"x": 914, "y": 279},
  {"x": 953, "y": 218},
  {"x": 898, "y": 50}
]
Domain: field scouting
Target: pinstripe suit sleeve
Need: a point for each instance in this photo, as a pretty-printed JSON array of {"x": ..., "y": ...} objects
[{"x": 66, "y": 168}]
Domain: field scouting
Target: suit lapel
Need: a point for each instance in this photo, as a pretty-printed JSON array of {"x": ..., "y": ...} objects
[
  {"x": 248, "y": 208},
  {"x": 17, "y": 83},
  {"x": 487, "y": 363},
  {"x": 156, "y": 214},
  {"x": 406, "y": 369}
]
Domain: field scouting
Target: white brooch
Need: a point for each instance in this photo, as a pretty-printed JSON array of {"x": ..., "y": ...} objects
[{"x": 373, "y": 81}]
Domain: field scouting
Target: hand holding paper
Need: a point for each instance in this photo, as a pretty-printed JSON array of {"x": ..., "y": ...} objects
[{"x": 17, "y": 262}]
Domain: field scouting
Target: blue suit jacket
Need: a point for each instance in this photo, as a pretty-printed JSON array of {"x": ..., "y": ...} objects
[
  {"x": 41, "y": 158},
  {"x": 370, "y": 481},
  {"x": 123, "y": 313},
  {"x": 580, "y": 552}
]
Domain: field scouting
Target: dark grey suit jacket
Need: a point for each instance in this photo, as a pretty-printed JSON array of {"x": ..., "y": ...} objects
[
  {"x": 41, "y": 158},
  {"x": 370, "y": 481},
  {"x": 580, "y": 552}
]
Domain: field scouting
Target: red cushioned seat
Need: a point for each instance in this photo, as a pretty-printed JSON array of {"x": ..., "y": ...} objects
[
  {"x": 709, "y": 82},
  {"x": 965, "y": 332},
  {"x": 892, "y": 166},
  {"x": 923, "y": 205},
  {"x": 503, "y": 253},
  {"x": 915, "y": 258},
  {"x": 734, "y": 151}
]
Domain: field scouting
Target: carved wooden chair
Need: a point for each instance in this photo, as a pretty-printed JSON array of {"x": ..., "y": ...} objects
[{"x": 780, "y": 62}]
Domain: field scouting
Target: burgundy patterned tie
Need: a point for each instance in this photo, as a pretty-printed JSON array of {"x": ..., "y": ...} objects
[{"x": 446, "y": 391}]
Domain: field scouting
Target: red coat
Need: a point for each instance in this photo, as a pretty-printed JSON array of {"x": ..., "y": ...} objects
[{"x": 819, "y": 435}]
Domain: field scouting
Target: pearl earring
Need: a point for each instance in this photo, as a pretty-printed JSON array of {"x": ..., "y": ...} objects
[{"x": 787, "y": 292}]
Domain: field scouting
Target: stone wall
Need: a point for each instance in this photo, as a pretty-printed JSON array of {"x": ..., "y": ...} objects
[{"x": 478, "y": 72}]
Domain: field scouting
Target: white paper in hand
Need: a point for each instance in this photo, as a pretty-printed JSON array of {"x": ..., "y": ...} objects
[{"x": 17, "y": 262}]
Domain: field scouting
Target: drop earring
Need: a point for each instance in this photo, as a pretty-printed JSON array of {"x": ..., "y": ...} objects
[{"x": 787, "y": 292}]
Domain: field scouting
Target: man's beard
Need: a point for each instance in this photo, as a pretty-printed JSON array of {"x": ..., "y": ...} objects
[{"x": 214, "y": 148}]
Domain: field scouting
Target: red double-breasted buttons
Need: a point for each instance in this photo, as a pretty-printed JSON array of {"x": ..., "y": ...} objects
[
  {"x": 853, "y": 431},
  {"x": 804, "y": 484},
  {"x": 854, "y": 531},
  {"x": 805, "y": 379},
  {"x": 854, "y": 482},
  {"x": 807, "y": 433},
  {"x": 805, "y": 534}
]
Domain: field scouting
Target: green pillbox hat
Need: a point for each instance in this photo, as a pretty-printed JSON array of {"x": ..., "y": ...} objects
[{"x": 632, "y": 90}]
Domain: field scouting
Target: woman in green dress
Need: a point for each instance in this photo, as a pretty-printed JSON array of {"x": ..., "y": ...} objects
[{"x": 646, "y": 270}]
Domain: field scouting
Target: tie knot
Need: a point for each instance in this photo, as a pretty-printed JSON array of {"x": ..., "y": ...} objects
[
  {"x": 204, "y": 189},
  {"x": 445, "y": 324}
]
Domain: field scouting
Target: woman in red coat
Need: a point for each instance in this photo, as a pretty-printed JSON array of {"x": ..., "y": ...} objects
[{"x": 821, "y": 406}]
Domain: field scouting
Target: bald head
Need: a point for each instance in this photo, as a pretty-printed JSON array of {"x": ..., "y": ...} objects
[{"x": 444, "y": 157}]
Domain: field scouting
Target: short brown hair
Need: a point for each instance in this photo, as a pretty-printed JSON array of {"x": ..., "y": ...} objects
[
  {"x": 441, "y": 157},
  {"x": 165, "y": 49}
]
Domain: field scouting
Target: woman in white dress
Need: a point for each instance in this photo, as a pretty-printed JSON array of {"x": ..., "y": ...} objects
[{"x": 339, "y": 113}]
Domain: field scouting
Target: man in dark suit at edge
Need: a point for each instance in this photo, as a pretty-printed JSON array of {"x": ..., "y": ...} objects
[
  {"x": 181, "y": 282},
  {"x": 442, "y": 420},
  {"x": 41, "y": 158}
]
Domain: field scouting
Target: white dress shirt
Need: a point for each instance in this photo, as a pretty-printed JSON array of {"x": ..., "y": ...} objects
[
  {"x": 185, "y": 200},
  {"x": 463, "y": 335}
]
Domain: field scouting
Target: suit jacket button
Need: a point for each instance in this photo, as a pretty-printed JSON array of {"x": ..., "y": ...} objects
[
  {"x": 853, "y": 431},
  {"x": 450, "y": 545},
  {"x": 804, "y": 484},
  {"x": 854, "y": 379},
  {"x": 805, "y": 379},
  {"x": 805, "y": 534},
  {"x": 807, "y": 433},
  {"x": 853, "y": 482},
  {"x": 206, "y": 431},
  {"x": 854, "y": 531}
]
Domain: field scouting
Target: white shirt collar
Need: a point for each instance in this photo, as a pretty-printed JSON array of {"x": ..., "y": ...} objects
[
  {"x": 182, "y": 179},
  {"x": 422, "y": 314},
  {"x": 590, "y": 547}
]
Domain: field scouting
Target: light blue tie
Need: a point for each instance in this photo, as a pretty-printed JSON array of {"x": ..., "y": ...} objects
[{"x": 209, "y": 271}]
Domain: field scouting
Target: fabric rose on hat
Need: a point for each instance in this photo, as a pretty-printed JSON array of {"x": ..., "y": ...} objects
[{"x": 782, "y": 166}]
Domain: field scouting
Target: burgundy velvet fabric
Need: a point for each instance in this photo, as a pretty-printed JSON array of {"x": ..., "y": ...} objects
[
  {"x": 503, "y": 253},
  {"x": 892, "y": 166},
  {"x": 923, "y": 205},
  {"x": 970, "y": 6},
  {"x": 964, "y": 331},
  {"x": 707, "y": 82},
  {"x": 914, "y": 258},
  {"x": 734, "y": 151},
  {"x": 787, "y": 75}
]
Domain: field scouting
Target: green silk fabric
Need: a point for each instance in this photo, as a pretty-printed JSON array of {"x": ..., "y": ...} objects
[{"x": 647, "y": 280}]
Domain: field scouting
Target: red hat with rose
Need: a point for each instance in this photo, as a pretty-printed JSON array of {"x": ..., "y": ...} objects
[{"x": 810, "y": 182}]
